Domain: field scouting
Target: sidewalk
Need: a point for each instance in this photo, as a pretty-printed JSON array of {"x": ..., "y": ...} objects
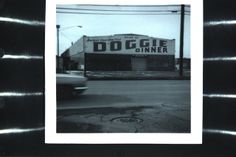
[{"x": 137, "y": 75}]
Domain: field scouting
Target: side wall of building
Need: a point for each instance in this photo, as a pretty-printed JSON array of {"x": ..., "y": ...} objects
[
  {"x": 77, "y": 47},
  {"x": 76, "y": 53}
]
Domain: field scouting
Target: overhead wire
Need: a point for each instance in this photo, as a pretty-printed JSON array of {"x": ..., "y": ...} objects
[
  {"x": 99, "y": 5},
  {"x": 90, "y": 13},
  {"x": 113, "y": 10},
  {"x": 95, "y": 11}
]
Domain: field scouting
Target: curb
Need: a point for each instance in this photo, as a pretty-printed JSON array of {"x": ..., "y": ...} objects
[{"x": 139, "y": 78}]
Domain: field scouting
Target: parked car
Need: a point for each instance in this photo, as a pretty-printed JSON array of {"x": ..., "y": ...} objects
[{"x": 69, "y": 85}]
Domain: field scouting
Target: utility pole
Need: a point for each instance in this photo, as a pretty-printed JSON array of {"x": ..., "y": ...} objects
[
  {"x": 57, "y": 57},
  {"x": 181, "y": 47},
  {"x": 85, "y": 57},
  {"x": 58, "y": 37}
]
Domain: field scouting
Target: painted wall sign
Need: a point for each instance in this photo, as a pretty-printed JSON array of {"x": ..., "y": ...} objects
[{"x": 129, "y": 44}]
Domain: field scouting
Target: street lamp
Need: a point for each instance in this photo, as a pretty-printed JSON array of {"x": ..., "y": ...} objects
[
  {"x": 64, "y": 28},
  {"x": 58, "y": 30},
  {"x": 58, "y": 27}
]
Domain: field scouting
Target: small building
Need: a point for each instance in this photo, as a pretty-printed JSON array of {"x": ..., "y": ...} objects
[
  {"x": 186, "y": 63},
  {"x": 123, "y": 52}
]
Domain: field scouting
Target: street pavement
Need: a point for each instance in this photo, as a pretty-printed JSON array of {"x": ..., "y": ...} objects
[
  {"x": 146, "y": 106},
  {"x": 146, "y": 75}
]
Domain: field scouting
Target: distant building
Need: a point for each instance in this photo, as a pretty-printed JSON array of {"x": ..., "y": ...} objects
[
  {"x": 186, "y": 63},
  {"x": 123, "y": 52}
]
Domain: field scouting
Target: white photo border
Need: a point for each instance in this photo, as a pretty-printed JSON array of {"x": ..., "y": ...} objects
[{"x": 195, "y": 137}]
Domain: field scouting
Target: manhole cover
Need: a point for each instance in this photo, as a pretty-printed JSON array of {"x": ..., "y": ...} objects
[{"x": 126, "y": 120}]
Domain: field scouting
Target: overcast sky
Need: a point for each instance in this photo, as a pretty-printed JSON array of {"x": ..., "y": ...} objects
[{"x": 153, "y": 21}]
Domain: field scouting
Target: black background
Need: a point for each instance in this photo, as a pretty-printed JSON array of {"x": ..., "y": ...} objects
[{"x": 28, "y": 75}]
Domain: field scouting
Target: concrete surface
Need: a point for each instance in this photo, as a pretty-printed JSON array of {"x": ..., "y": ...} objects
[
  {"x": 126, "y": 75},
  {"x": 134, "y": 75},
  {"x": 128, "y": 106}
]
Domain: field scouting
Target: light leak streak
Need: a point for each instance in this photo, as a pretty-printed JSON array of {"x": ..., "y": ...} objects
[
  {"x": 220, "y": 59},
  {"x": 219, "y": 95},
  {"x": 21, "y": 21},
  {"x": 21, "y": 57},
  {"x": 217, "y": 131},
  {"x": 19, "y": 130},
  {"x": 20, "y": 94},
  {"x": 217, "y": 23}
]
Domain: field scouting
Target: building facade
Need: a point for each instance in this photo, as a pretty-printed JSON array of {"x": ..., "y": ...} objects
[{"x": 123, "y": 52}]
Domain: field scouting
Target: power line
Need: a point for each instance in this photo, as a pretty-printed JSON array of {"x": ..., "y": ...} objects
[
  {"x": 70, "y": 12},
  {"x": 113, "y": 10},
  {"x": 98, "y": 5}
]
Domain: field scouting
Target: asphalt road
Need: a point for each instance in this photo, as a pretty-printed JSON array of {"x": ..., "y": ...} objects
[{"x": 128, "y": 106}]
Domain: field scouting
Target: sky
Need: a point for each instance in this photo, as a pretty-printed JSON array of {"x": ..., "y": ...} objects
[{"x": 154, "y": 21}]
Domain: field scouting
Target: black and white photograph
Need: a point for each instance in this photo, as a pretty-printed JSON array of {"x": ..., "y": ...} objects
[
  {"x": 120, "y": 69},
  {"x": 123, "y": 69}
]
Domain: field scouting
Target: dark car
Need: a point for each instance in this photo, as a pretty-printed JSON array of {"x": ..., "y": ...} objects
[{"x": 69, "y": 85}]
